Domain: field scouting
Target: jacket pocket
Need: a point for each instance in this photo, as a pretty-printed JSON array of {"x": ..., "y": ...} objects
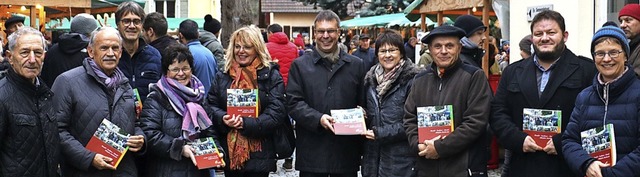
[
  {"x": 25, "y": 120},
  {"x": 513, "y": 87},
  {"x": 572, "y": 84}
]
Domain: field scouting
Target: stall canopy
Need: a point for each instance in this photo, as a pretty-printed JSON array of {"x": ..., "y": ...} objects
[
  {"x": 64, "y": 24},
  {"x": 386, "y": 20}
]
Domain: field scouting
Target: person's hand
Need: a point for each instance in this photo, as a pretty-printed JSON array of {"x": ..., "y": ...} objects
[
  {"x": 369, "y": 135},
  {"x": 234, "y": 121},
  {"x": 594, "y": 169},
  {"x": 102, "y": 162},
  {"x": 221, "y": 155},
  {"x": 187, "y": 151},
  {"x": 135, "y": 143},
  {"x": 550, "y": 148},
  {"x": 327, "y": 122},
  {"x": 364, "y": 113},
  {"x": 430, "y": 151},
  {"x": 530, "y": 145}
]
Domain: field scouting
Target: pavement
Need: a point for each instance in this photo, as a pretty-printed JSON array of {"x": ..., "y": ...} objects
[{"x": 293, "y": 173}]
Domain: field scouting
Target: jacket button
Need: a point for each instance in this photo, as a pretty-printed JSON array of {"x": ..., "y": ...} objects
[{"x": 329, "y": 88}]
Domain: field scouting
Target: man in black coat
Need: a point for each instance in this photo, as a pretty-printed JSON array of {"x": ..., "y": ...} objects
[
  {"x": 28, "y": 133},
  {"x": 155, "y": 32},
  {"x": 365, "y": 52},
  {"x": 71, "y": 49},
  {"x": 325, "y": 79},
  {"x": 550, "y": 79}
]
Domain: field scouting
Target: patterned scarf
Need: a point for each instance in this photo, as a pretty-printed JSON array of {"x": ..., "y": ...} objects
[
  {"x": 240, "y": 146},
  {"x": 110, "y": 81},
  {"x": 386, "y": 79},
  {"x": 185, "y": 100}
]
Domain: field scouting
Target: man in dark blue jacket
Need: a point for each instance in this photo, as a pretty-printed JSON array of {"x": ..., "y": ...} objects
[
  {"x": 140, "y": 62},
  {"x": 365, "y": 52},
  {"x": 550, "y": 79}
]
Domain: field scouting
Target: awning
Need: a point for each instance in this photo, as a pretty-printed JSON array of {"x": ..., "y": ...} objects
[
  {"x": 404, "y": 22},
  {"x": 377, "y": 21},
  {"x": 411, "y": 7}
]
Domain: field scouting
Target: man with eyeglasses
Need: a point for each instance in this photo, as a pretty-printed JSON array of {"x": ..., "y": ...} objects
[
  {"x": 550, "y": 79},
  {"x": 28, "y": 133},
  {"x": 140, "y": 62},
  {"x": 325, "y": 79},
  {"x": 450, "y": 81}
]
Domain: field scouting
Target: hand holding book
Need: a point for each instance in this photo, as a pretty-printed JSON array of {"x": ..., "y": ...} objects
[
  {"x": 135, "y": 143},
  {"x": 428, "y": 149},
  {"x": 550, "y": 148},
  {"x": 102, "y": 162},
  {"x": 530, "y": 145},
  {"x": 327, "y": 122},
  {"x": 594, "y": 169}
]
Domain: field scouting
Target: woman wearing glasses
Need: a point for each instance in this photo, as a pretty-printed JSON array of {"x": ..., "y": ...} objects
[
  {"x": 613, "y": 99},
  {"x": 167, "y": 119},
  {"x": 387, "y": 151},
  {"x": 247, "y": 139}
]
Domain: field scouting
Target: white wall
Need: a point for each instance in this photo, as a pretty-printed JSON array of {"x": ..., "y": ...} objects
[{"x": 579, "y": 16}]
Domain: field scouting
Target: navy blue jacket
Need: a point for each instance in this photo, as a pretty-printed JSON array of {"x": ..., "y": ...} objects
[
  {"x": 622, "y": 111},
  {"x": 142, "y": 68}
]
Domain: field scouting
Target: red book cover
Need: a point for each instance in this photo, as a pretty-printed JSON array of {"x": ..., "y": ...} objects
[
  {"x": 243, "y": 102},
  {"x": 206, "y": 153},
  {"x": 600, "y": 143},
  {"x": 348, "y": 121},
  {"x": 109, "y": 140},
  {"x": 541, "y": 124},
  {"x": 434, "y": 121}
]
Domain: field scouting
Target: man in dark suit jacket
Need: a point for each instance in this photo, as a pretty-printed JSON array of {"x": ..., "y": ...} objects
[{"x": 550, "y": 79}]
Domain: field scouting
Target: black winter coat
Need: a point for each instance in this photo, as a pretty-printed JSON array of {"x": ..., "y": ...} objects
[
  {"x": 162, "y": 127},
  {"x": 272, "y": 114},
  {"x": 63, "y": 56},
  {"x": 518, "y": 90},
  {"x": 622, "y": 109},
  {"x": 315, "y": 88},
  {"x": 162, "y": 43},
  {"x": 389, "y": 155},
  {"x": 28, "y": 131},
  {"x": 81, "y": 103}
]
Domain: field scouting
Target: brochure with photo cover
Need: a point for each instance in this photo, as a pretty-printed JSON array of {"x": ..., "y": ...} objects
[
  {"x": 138, "y": 102},
  {"x": 348, "y": 121},
  {"x": 600, "y": 143},
  {"x": 109, "y": 140},
  {"x": 434, "y": 121},
  {"x": 206, "y": 153},
  {"x": 243, "y": 102},
  {"x": 541, "y": 124}
]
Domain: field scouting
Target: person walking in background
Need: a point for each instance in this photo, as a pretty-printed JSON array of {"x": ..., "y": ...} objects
[
  {"x": 155, "y": 31},
  {"x": 209, "y": 39},
  {"x": 410, "y": 48},
  {"x": 472, "y": 51},
  {"x": 281, "y": 50},
  {"x": 629, "y": 17},
  {"x": 204, "y": 64},
  {"x": 365, "y": 52},
  {"x": 387, "y": 152},
  {"x": 248, "y": 140}
]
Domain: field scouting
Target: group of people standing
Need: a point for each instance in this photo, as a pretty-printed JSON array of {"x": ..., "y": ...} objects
[{"x": 183, "y": 92}]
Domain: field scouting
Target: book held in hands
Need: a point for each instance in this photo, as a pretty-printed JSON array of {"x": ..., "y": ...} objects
[
  {"x": 243, "y": 102},
  {"x": 110, "y": 141},
  {"x": 541, "y": 124},
  {"x": 348, "y": 121},
  {"x": 434, "y": 121},
  {"x": 207, "y": 153},
  {"x": 600, "y": 143}
]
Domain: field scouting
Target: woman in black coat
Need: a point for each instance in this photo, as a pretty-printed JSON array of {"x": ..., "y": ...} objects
[
  {"x": 387, "y": 152},
  {"x": 165, "y": 112},
  {"x": 247, "y": 139}
]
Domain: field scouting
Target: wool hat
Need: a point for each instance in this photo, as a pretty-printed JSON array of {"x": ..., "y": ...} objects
[
  {"x": 632, "y": 10},
  {"x": 611, "y": 31},
  {"x": 469, "y": 24},
  {"x": 13, "y": 19},
  {"x": 443, "y": 31},
  {"x": 211, "y": 24},
  {"x": 83, "y": 24}
]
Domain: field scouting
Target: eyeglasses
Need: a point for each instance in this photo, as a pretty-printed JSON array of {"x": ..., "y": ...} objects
[
  {"x": 128, "y": 21},
  {"x": 330, "y": 31},
  {"x": 612, "y": 54},
  {"x": 177, "y": 70},
  {"x": 36, "y": 53},
  {"x": 390, "y": 51}
]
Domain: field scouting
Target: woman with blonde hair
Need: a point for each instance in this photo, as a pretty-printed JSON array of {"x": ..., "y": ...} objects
[{"x": 247, "y": 139}]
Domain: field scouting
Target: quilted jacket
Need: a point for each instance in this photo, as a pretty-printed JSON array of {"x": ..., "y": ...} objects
[
  {"x": 271, "y": 115},
  {"x": 283, "y": 51},
  {"x": 162, "y": 127},
  {"x": 142, "y": 69},
  {"x": 28, "y": 133},
  {"x": 81, "y": 103}
]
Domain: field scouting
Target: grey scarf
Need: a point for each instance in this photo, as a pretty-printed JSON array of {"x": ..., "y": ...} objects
[{"x": 332, "y": 57}]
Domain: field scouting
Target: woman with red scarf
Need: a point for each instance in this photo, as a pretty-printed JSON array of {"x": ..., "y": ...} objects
[{"x": 248, "y": 139}]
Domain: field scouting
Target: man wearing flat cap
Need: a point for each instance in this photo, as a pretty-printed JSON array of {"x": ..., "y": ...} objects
[
  {"x": 449, "y": 81},
  {"x": 365, "y": 52},
  {"x": 12, "y": 24}
]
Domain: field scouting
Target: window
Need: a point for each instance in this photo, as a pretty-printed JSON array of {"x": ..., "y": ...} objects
[{"x": 170, "y": 7}]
